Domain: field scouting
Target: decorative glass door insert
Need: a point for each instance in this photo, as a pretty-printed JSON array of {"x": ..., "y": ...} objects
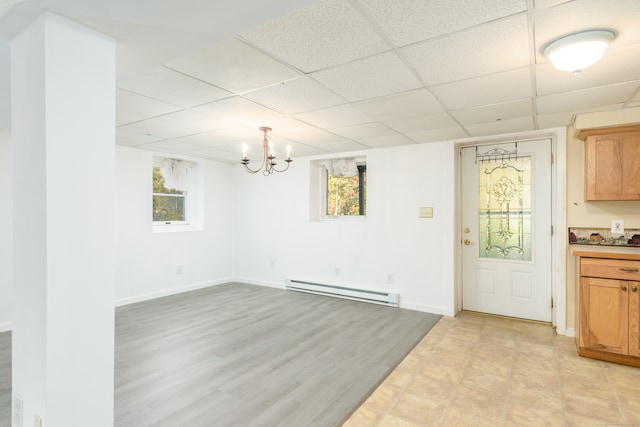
[{"x": 504, "y": 208}]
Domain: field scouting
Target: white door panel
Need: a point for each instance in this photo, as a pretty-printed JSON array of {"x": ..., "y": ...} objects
[{"x": 506, "y": 229}]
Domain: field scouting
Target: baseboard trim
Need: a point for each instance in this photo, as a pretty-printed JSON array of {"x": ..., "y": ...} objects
[
  {"x": 423, "y": 308},
  {"x": 6, "y": 327},
  {"x": 248, "y": 281},
  {"x": 167, "y": 292}
]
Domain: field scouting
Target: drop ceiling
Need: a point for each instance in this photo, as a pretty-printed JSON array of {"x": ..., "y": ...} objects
[{"x": 332, "y": 76}]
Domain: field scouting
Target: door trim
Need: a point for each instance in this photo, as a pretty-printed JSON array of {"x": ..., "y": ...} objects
[{"x": 558, "y": 138}]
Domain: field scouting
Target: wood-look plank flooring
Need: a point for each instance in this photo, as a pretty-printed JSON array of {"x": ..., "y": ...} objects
[
  {"x": 5, "y": 379},
  {"x": 244, "y": 355}
]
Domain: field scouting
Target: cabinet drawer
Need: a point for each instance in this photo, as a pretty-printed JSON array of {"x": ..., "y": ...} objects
[{"x": 610, "y": 268}]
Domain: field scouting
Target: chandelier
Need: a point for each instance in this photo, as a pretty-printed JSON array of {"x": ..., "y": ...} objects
[{"x": 268, "y": 156}]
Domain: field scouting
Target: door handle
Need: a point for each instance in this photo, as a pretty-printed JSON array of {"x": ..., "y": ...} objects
[
  {"x": 628, "y": 270},
  {"x": 467, "y": 242}
]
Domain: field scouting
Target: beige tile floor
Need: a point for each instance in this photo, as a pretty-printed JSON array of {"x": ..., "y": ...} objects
[{"x": 479, "y": 370}]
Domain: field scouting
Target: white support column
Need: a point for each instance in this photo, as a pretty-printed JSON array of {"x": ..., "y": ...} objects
[{"x": 63, "y": 125}]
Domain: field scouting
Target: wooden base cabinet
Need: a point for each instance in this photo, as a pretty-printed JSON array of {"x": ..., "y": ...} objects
[{"x": 609, "y": 311}]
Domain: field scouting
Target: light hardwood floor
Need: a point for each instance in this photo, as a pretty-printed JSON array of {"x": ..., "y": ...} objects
[{"x": 243, "y": 355}]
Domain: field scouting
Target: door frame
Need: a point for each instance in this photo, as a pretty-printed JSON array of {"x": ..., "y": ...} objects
[{"x": 558, "y": 138}]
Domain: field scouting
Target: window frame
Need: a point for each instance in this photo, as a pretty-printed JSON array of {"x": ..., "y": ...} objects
[
  {"x": 158, "y": 163},
  {"x": 323, "y": 193}
]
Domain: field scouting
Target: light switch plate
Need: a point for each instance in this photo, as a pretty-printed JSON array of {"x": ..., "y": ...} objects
[
  {"x": 617, "y": 226},
  {"x": 426, "y": 212}
]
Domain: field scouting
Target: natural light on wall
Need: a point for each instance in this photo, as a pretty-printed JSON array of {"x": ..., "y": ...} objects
[{"x": 578, "y": 51}]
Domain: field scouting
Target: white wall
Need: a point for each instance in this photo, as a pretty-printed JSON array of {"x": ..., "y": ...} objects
[
  {"x": 275, "y": 238},
  {"x": 145, "y": 261},
  {"x": 6, "y": 259}
]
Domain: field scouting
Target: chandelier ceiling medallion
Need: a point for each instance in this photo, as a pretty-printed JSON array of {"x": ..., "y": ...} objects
[{"x": 268, "y": 156}]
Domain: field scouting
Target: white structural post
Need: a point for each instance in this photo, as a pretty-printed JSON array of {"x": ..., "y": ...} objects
[{"x": 63, "y": 126}]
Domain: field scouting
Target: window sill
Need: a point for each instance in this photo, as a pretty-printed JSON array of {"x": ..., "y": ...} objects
[
  {"x": 358, "y": 218},
  {"x": 175, "y": 228}
]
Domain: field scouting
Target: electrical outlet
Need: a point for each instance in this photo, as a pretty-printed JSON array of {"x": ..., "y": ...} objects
[
  {"x": 617, "y": 226},
  {"x": 336, "y": 271},
  {"x": 178, "y": 269},
  {"x": 391, "y": 278},
  {"x": 17, "y": 411}
]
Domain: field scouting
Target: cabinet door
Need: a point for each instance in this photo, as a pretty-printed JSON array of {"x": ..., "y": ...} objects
[
  {"x": 604, "y": 316},
  {"x": 634, "y": 318},
  {"x": 613, "y": 167}
]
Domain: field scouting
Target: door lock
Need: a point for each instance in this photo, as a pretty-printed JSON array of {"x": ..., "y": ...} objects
[{"x": 466, "y": 230}]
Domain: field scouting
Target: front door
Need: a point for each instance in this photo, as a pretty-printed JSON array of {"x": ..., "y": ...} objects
[{"x": 506, "y": 229}]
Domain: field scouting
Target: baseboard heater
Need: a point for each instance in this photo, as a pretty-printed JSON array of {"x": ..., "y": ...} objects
[{"x": 375, "y": 297}]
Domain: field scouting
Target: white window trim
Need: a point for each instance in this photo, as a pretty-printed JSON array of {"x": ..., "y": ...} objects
[
  {"x": 322, "y": 195},
  {"x": 178, "y": 226}
]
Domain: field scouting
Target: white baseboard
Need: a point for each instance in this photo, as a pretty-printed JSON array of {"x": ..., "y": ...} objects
[
  {"x": 567, "y": 332},
  {"x": 248, "y": 281},
  {"x": 166, "y": 292},
  {"x": 6, "y": 327},
  {"x": 421, "y": 307}
]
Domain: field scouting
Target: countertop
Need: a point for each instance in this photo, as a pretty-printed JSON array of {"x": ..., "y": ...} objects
[{"x": 595, "y": 251}]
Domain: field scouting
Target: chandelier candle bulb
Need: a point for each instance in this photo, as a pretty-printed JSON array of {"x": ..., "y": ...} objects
[
  {"x": 288, "y": 152},
  {"x": 244, "y": 152}
]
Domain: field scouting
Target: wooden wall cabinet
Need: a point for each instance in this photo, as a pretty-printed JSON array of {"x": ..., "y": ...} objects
[
  {"x": 612, "y": 163},
  {"x": 609, "y": 310}
]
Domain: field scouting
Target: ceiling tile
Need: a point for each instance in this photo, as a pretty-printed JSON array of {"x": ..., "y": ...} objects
[
  {"x": 616, "y": 66},
  {"x": 368, "y": 130},
  {"x": 367, "y": 78},
  {"x": 585, "y": 99},
  {"x": 494, "y": 112},
  {"x": 193, "y": 121},
  {"x": 170, "y": 86},
  {"x": 343, "y": 146},
  {"x": 240, "y": 111},
  {"x": 296, "y": 96},
  {"x": 318, "y": 137},
  {"x": 133, "y": 105},
  {"x": 133, "y": 139},
  {"x": 546, "y": 121},
  {"x": 234, "y": 66},
  {"x": 156, "y": 128},
  {"x": 335, "y": 117},
  {"x": 427, "y": 122},
  {"x": 520, "y": 124},
  {"x": 214, "y": 154},
  {"x": 169, "y": 146},
  {"x": 491, "y": 48},
  {"x": 324, "y": 34},
  {"x": 499, "y": 87},
  {"x": 436, "y": 135},
  {"x": 300, "y": 150},
  {"x": 386, "y": 141},
  {"x": 417, "y": 20},
  {"x": 408, "y": 104}
]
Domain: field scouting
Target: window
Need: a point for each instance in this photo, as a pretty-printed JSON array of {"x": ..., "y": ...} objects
[
  {"x": 170, "y": 192},
  {"x": 346, "y": 195}
]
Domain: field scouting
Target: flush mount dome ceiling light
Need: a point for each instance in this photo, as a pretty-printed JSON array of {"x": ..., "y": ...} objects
[{"x": 576, "y": 52}]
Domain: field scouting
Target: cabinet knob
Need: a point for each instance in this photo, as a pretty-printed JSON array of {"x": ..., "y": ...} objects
[
  {"x": 634, "y": 288},
  {"x": 624, "y": 288}
]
